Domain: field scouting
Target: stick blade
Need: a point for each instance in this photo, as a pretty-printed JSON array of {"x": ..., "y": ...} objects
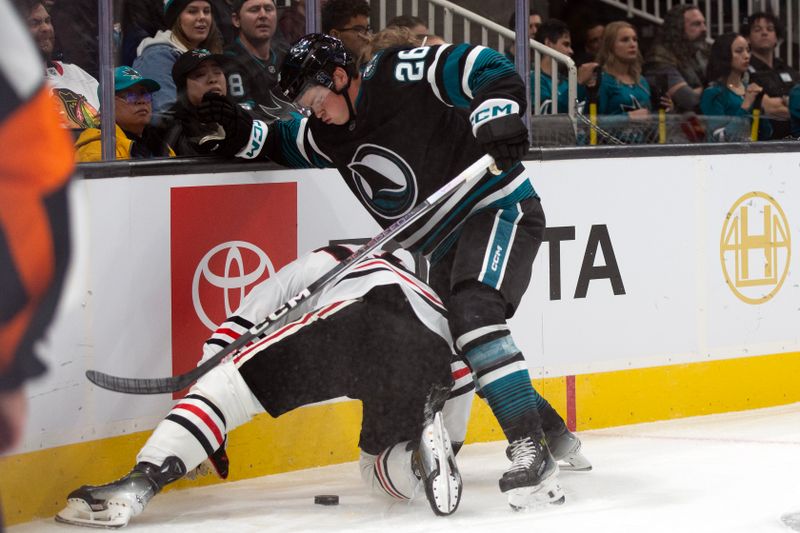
[{"x": 135, "y": 385}]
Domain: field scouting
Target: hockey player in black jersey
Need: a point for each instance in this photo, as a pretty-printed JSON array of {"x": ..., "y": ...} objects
[
  {"x": 378, "y": 335},
  {"x": 396, "y": 130}
]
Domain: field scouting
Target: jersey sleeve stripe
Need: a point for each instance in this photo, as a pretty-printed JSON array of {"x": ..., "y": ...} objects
[
  {"x": 434, "y": 76},
  {"x": 313, "y": 143},
  {"x": 291, "y": 139},
  {"x": 468, "y": 67},
  {"x": 300, "y": 139},
  {"x": 489, "y": 66},
  {"x": 452, "y": 68}
]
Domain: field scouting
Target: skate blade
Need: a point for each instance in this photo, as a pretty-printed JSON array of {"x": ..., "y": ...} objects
[
  {"x": 443, "y": 487},
  {"x": 547, "y": 492},
  {"x": 575, "y": 462},
  {"x": 78, "y": 513}
]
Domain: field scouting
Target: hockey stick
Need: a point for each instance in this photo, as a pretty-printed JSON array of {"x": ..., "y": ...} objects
[{"x": 181, "y": 381}]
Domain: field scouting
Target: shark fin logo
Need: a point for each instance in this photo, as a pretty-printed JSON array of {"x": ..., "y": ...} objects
[{"x": 384, "y": 180}]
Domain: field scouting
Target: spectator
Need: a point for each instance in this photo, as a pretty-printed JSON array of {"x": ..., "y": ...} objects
[
  {"x": 195, "y": 73},
  {"x": 347, "y": 20},
  {"x": 253, "y": 67},
  {"x": 728, "y": 95},
  {"x": 681, "y": 53},
  {"x": 763, "y": 30},
  {"x": 555, "y": 34},
  {"x": 140, "y": 19},
  {"x": 592, "y": 38},
  {"x": 624, "y": 94},
  {"x": 794, "y": 110},
  {"x": 292, "y": 22},
  {"x": 191, "y": 25},
  {"x": 534, "y": 22},
  {"x": 75, "y": 91},
  {"x": 623, "y": 90},
  {"x": 136, "y": 139}
]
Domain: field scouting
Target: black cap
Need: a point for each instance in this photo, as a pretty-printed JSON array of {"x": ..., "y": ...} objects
[{"x": 188, "y": 61}]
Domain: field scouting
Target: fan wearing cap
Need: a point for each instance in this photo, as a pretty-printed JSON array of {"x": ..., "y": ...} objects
[
  {"x": 195, "y": 73},
  {"x": 254, "y": 65},
  {"x": 190, "y": 25},
  {"x": 133, "y": 107}
]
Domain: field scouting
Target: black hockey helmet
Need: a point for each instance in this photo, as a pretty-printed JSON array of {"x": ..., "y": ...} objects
[{"x": 311, "y": 61}]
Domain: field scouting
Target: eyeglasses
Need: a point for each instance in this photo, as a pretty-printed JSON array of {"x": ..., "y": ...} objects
[
  {"x": 133, "y": 98},
  {"x": 363, "y": 30}
]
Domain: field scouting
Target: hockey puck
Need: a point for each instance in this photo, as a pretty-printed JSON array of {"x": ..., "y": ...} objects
[{"x": 326, "y": 499}]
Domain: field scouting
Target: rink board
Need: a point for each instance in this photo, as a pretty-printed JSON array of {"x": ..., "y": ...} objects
[{"x": 666, "y": 288}]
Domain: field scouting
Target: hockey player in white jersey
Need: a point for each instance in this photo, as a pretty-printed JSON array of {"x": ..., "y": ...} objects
[
  {"x": 396, "y": 129},
  {"x": 378, "y": 335}
]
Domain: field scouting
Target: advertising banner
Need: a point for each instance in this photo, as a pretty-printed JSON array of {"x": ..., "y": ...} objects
[{"x": 220, "y": 248}]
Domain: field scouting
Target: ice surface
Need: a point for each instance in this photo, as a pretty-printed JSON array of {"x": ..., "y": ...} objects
[{"x": 737, "y": 472}]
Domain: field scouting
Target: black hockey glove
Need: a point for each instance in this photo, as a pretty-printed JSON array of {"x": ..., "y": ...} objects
[
  {"x": 504, "y": 138},
  {"x": 237, "y": 124}
]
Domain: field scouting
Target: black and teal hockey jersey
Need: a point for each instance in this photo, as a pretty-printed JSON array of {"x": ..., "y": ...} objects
[{"x": 413, "y": 132}]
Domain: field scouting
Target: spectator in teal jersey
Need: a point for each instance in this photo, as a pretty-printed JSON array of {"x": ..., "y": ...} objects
[
  {"x": 728, "y": 98},
  {"x": 555, "y": 34},
  {"x": 794, "y": 110},
  {"x": 623, "y": 91}
]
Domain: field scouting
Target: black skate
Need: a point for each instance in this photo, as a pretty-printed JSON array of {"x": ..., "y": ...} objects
[
  {"x": 565, "y": 447},
  {"x": 532, "y": 478},
  {"x": 112, "y": 505},
  {"x": 436, "y": 466}
]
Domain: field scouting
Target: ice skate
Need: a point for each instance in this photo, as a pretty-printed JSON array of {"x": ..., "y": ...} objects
[
  {"x": 532, "y": 478},
  {"x": 113, "y": 505},
  {"x": 565, "y": 447},
  {"x": 437, "y": 467}
]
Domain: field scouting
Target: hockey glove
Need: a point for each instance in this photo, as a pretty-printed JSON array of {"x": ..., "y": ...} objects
[
  {"x": 504, "y": 138},
  {"x": 234, "y": 120}
]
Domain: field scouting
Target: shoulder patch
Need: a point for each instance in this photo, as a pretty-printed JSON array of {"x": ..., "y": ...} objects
[{"x": 371, "y": 67}]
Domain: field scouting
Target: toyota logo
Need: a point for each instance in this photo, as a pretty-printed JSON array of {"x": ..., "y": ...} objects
[{"x": 232, "y": 278}]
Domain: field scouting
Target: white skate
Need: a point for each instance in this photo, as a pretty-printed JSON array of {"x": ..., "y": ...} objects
[{"x": 438, "y": 470}]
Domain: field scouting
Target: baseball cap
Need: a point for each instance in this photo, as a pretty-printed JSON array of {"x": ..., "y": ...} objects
[
  {"x": 125, "y": 77},
  {"x": 188, "y": 61}
]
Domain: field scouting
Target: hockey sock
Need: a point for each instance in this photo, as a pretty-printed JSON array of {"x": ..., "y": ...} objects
[
  {"x": 194, "y": 429},
  {"x": 503, "y": 377},
  {"x": 198, "y": 424}
]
